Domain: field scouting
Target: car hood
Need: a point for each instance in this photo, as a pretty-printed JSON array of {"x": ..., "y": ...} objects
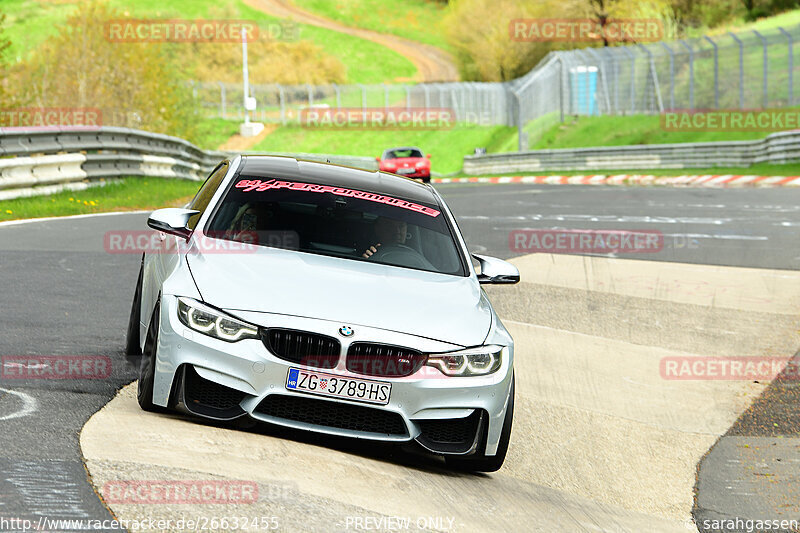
[{"x": 449, "y": 308}]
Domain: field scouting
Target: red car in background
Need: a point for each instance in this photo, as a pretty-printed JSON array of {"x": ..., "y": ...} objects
[{"x": 407, "y": 161}]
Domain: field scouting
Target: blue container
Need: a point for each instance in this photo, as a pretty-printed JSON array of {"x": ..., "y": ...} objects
[{"x": 583, "y": 90}]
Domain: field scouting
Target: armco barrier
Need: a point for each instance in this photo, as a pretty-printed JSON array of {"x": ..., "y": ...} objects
[
  {"x": 778, "y": 148},
  {"x": 44, "y": 161}
]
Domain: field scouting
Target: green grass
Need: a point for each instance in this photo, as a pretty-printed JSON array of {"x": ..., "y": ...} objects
[
  {"x": 581, "y": 132},
  {"x": 125, "y": 194},
  {"x": 785, "y": 20},
  {"x": 212, "y": 132},
  {"x": 417, "y": 20},
  {"x": 30, "y": 22},
  {"x": 447, "y": 147}
]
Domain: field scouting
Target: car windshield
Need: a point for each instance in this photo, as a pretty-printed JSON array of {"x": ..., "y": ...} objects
[
  {"x": 339, "y": 222},
  {"x": 402, "y": 152}
]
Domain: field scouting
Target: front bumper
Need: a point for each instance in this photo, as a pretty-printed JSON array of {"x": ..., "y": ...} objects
[{"x": 223, "y": 381}]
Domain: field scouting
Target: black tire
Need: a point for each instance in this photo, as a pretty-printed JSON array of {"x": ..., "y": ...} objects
[
  {"x": 480, "y": 462},
  {"x": 133, "y": 338},
  {"x": 426, "y": 180},
  {"x": 147, "y": 374}
]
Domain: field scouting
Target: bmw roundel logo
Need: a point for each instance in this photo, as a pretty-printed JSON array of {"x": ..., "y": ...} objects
[{"x": 346, "y": 331}]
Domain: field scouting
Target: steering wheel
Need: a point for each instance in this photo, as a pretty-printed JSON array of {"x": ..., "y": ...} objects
[{"x": 401, "y": 255}]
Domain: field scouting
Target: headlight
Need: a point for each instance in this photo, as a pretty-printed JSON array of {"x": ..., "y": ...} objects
[
  {"x": 420, "y": 164},
  {"x": 213, "y": 323},
  {"x": 477, "y": 361}
]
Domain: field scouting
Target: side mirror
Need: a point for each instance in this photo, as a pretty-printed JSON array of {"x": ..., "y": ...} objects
[
  {"x": 378, "y": 159},
  {"x": 496, "y": 271},
  {"x": 172, "y": 220},
  {"x": 428, "y": 156}
]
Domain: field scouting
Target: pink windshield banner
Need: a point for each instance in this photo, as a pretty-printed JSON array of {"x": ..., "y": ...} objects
[{"x": 260, "y": 186}]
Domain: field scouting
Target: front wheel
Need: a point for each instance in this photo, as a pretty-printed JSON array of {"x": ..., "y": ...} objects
[
  {"x": 480, "y": 462},
  {"x": 132, "y": 339},
  {"x": 147, "y": 368}
]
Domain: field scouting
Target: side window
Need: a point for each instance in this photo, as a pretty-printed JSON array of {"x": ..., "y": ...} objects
[{"x": 206, "y": 192}]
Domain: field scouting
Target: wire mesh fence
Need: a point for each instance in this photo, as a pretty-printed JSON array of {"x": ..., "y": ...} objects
[{"x": 748, "y": 70}]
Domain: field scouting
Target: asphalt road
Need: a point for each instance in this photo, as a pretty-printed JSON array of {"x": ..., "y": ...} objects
[
  {"x": 64, "y": 295},
  {"x": 733, "y": 227}
]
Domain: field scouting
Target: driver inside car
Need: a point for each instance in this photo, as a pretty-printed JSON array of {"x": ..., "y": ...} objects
[{"x": 388, "y": 231}]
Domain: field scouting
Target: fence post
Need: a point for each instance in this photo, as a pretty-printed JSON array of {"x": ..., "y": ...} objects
[
  {"x": 385, "y": 98},
  {"x": 741, "y": 68},
  {"x": 518, "y": 101},
  {"x": 671, "y": 74},
  {"x": 764, "y": 95},
  {"x": 363, "y": 99},
  {"x": 633, "y": 77},
  {"x": 716, "y": 71},
  {"x": 427, "y": 96},
  {"x": 282, "y": 98},
  {"x": 338, "y": 96},
  {"x": 791, "y": 63},
  {"x": 560, "y": 87},
  {"x": 222, "y": 102},
  {"x": 408, "y": 98},
  {"x": 691, "y": 74}
]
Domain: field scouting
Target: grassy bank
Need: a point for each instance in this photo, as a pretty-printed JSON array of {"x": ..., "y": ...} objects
[
  {"x": 31, "y": 22},
  {"x": 447, "y": 147},
  {"x": 128, "y": 194}
]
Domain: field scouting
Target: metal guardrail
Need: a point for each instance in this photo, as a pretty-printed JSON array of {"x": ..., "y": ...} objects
[
  {"x": 777, "y": 148},
  {"x": 44, "y": 161}
]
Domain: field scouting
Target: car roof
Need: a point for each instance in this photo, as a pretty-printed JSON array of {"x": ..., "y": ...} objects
[{"x": 289, "y": 168}]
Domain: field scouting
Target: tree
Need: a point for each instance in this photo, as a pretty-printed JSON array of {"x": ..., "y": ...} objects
[
  {"x": 5, "y": 44},
  {"x": 132, "y": 84}
]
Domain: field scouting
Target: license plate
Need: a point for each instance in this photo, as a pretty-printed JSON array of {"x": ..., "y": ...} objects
[
  {"x": 359, "y": 390},
  {"x": 405, "y": 170}
]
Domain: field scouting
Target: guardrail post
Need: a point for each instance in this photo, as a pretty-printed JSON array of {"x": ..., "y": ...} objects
[
  {"x": 427, "y": 95},
  {"x": 338, "y": 95},
  {"x": 363, "y": 99},
  {"x": 408, "y": 97},
  {"x": 385, "y": 98},
  {"x": 741, "y": 68},
  {"x": 310, "y": 95},
  {"x": 671, "y": 74},
  {"x": 791, "y": 64},
  {"x": 716, "y": 71},
  {"x": 764, "y": 95},
  {"x": 691, "y": 73}
]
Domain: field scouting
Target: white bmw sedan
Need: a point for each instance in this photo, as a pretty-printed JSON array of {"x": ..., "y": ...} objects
[{"x": 328, "y": 299}]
